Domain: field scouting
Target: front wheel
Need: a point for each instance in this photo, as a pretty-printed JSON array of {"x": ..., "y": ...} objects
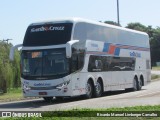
[
  {"x": 48, "y": 99},
  {"x": 135, "y": 84}
]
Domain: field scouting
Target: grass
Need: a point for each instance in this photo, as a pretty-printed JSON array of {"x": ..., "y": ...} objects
[
  {"x": 156, "y": 68},
  {"x": 88, "y": 118},
  {"x": 155, "y": 77},
  {"x": 11, "y": 95},
  {"x": 91, "y": 114}
]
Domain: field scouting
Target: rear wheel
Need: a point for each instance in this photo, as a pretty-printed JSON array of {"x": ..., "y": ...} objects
[
  {"x": 48, "y": 99},
  {"x": 135, "y": 84},
  {"x": 140, "y": 85},
  {"x": 89, "y": 90},
  {"x": 98, "y": 89}
]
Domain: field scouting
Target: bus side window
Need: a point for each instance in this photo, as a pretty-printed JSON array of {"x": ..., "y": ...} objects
[
  {"x": 80, "y": 60},
  {"x": 74, "y": 63},
  {"x": 99, "y": 64},
  {"x": 77, "y": 61}
]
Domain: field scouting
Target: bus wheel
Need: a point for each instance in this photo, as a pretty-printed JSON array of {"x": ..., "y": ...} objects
[
  {"x": 140, "y": 85},
  {"x": 135, "y": 84},
  {"x": 98, "y": 89},
  {"x": 89, "y": 90},
  {"x": 48, "y": 99}
]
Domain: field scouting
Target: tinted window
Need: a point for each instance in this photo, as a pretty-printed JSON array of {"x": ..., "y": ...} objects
[
  {"x": 80, "y": 32},
  {"x": 78, "y": 53},
  {"x": 74, "y": 63},
  {"x": 96, "y": 63},
  {"x": 48, "y": 34},
  {"x": 88, "y": 31},
  {"x": 122, "y": 64},
  {"x": 108, "y": 63},
  {"x": 44, "y": 64}
]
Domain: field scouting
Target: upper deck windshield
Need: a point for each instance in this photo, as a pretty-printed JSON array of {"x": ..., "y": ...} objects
[
  {"x": 48, "y": 34},
  {"x": 44, "y": 64}
]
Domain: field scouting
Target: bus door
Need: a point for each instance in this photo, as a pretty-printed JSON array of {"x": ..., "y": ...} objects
[{"x": 75, "y": 76}]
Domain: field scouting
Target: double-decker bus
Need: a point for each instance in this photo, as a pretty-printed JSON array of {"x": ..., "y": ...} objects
[{"x": 74, "y": 57}]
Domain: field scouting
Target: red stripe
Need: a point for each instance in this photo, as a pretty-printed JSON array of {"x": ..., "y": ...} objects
[{"x": 111, "y": 49}]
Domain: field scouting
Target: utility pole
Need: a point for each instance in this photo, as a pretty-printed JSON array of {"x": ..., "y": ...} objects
[{"x": 118, "y": 12}]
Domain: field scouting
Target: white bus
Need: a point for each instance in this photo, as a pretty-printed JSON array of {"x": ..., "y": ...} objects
[{"x": 74, "y": 57}]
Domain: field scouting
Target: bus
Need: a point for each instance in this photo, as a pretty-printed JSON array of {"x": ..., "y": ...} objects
[{"x": 79, "y": 57}]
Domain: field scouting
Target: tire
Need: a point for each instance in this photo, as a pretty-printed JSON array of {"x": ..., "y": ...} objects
[
  {"x": 48, "y": 99},
  {"x": 135, "y": 84},
  {"x": 140, "y": 85},
  {"x": 98, "y": 89},
  {"x": 89, "y": 90}
]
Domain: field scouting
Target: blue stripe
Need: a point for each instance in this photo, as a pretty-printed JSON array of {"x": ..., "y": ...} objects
[
  {"x": 120, "y": 46},
  {"x": 106, "y": 47},
  {"x": 117, "y": 51}
]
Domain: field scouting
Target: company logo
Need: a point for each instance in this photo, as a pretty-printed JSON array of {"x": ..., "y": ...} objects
[
  {"x": 42, "y": 84},
  {"x": 135, "y": 54},
  {"x": 20, "y": 114},
  {"x": 51, "y": 28},
  {"x": 6, "y": 114},
  {"x": 26, "y": 82},
  {"x": 94, "y": 45}
]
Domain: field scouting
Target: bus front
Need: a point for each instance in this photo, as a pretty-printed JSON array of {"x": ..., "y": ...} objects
[{"x": 44, "y": 66}]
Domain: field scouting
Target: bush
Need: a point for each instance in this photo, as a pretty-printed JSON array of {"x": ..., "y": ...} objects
[{"x": 9, "y": 71}]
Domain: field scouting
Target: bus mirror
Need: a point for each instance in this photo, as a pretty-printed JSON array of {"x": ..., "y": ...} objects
[
  {"x": 69, "y": 47},
  {"x": 11, "y": 55}
]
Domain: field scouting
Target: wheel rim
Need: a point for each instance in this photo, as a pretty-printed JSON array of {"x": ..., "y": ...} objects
[
  {"x": 140, "y": 84},
  {"x": 135, "y": 84},
  {"x": 98, "y": 88},
  {"x": 89, "y": 89}
]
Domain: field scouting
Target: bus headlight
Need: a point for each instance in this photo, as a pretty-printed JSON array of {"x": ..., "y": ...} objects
[
  {"x": 25, "y": 87},
  {"x": 60, "y": 86}
]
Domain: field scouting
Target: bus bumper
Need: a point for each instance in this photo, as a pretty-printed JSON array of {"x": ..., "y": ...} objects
[{"x": 47, "y": 88}]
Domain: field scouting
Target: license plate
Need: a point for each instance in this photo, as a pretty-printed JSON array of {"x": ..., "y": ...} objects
[{"x": 42, "y": 93}]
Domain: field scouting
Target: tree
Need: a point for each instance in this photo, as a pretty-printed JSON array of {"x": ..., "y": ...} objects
[
  {"x": 3, "y": 60},
  {"x": 137, "y": 26},
  {"x": 9, "y": 71},
  {"x": 16, "y": 68},
  {"x": 154, "y": 36},
  {"x": 112, "y": 23},
  {"x": 155, "y": 46}
]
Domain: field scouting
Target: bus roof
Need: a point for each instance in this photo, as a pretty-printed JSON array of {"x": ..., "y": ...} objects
[{"x": 76, "y": 20}]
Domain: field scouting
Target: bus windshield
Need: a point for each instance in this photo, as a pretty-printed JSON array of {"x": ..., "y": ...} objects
[{"x": 44, "y": 63}]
